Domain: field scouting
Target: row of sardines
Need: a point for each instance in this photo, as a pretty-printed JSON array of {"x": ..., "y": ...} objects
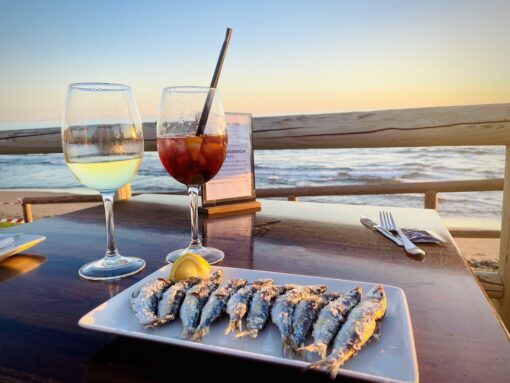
[{"x": 346, "y": 321}]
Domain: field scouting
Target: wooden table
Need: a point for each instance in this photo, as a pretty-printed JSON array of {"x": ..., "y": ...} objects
[{"x": 459, "y": 337}]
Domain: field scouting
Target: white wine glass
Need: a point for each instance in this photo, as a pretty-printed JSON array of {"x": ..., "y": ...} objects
[{"x": 102, "y": 141}]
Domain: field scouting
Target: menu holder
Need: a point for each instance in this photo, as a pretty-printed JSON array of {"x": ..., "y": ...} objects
[{"x": 232, "y": 190}]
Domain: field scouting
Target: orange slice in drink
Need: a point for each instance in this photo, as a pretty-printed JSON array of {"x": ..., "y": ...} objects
[
  {"x": 193, "y": 144},
  {"x": 213, "y": 149}
]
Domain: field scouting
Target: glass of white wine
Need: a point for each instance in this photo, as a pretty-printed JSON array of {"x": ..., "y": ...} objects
[{"x": 102, "y": 141}]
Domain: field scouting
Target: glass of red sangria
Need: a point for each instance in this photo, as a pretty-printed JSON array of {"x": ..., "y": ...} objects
[{"x": 191, "y": 155}]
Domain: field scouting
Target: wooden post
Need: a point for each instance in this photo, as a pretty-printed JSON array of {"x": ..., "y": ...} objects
[
  {"x": 430, "y": 201},
  {"x": 504, "y": 249},
  {"x": 292, "y": 197},
  {"x": 123, "y": 193},
  {"x": 27, "y": 212}
]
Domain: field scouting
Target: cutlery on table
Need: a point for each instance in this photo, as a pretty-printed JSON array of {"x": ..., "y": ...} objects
[
  {"x": 367, "y": 222},
  {"x": 388, "y": 223}
]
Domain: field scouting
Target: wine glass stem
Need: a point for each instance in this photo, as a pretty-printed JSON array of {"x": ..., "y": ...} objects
[
  {"x": 193, "y": 192},
  {"x": 111, "y": 248}
]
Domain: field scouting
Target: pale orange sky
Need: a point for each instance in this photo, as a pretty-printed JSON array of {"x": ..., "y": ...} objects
[{"x": 285, "y": 57}]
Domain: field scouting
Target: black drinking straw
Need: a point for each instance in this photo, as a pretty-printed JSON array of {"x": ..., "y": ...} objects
[{"x": 214, "y": 83}]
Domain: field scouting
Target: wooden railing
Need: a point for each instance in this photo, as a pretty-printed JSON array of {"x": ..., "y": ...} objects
[
  {"x": 443, "y": 126},
  {"x": 429, "y": 189}
]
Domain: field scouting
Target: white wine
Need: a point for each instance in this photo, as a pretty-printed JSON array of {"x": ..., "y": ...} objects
[
  {"x": 102, "y": 142},
  {"x": 105, "y": 173}
]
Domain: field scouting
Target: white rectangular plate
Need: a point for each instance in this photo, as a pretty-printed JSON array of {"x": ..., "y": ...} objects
[
  {"x": 21, "y": 243},
  {"x": 391, "y": 358}
]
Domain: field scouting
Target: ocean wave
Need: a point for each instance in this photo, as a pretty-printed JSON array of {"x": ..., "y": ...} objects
[
  {"x": 287, "y": 168},
  {"x": 301, "y": 184},
  {"x": 367, "y": 175},
  {"x": 296, "y": 167},
  {"x": 415, "y": 175},
  {"x": 474, "y": 150},
  {"x": 152, "y": 172},
  {"x": 413, "y": 164},
  {"x": 373, "y": 180}
]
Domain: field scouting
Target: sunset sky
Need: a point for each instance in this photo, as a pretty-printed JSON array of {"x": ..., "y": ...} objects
[{"x": 285, "y": 56}]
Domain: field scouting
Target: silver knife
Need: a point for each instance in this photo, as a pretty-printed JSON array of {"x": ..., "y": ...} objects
[{"x": 374, "y": 226}]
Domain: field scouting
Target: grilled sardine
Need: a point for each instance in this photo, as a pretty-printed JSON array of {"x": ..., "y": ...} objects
[
  {"x": 283, "y": 308},
  {"x": 306, "y": 313},
  {"x": 195, "y": 299},
  {"x": 216, "y": 305},
  {"x": 356, "y": 332},
  {"x": 260, "y": 309},
  {"x": 239, "y": 303},
  {"x": 171, "y": 300},
  {"x": 331, "y": 317},
  {"x": 144, "y": 301}
]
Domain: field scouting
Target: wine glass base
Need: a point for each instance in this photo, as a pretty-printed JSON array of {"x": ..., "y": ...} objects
[
  {"x": 115, "y": 268},
  {"x": 210, "y": 254}
]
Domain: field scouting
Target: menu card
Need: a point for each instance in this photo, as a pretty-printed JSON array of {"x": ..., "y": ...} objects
[{"x": 235, "y": 182}]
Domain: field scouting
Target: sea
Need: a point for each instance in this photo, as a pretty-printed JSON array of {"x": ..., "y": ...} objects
[{"x": 286, "y": 168}]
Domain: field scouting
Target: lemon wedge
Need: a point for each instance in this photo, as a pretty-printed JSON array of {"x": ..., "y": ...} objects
[{"x": 189, "y": 265}]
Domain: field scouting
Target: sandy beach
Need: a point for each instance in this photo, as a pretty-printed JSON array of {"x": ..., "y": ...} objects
[
  {"x": 481, "y": 253},
  {"x": 38, "y": 211}
]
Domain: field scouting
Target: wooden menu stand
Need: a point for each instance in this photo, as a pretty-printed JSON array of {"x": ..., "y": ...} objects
[
  {"x": 230, "y": 208},
  {"x": 232, "y": 191}
]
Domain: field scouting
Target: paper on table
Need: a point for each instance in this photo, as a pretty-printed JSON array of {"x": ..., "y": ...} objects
[
  {"x": 423, "y": 236},
  {"x": 235, "y": 179},
  {"x": 6, "y": 242},
  {"x": 21, "y": 242}
]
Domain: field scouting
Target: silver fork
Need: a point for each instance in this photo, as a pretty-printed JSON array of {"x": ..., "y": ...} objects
[{"x": 388, "y": 223}]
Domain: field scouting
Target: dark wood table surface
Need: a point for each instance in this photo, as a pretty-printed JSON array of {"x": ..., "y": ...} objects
[{"x": 458, "y": 336}]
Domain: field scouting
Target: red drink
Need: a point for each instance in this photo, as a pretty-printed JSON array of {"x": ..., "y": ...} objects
[{"x": 193, "y": 160}]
